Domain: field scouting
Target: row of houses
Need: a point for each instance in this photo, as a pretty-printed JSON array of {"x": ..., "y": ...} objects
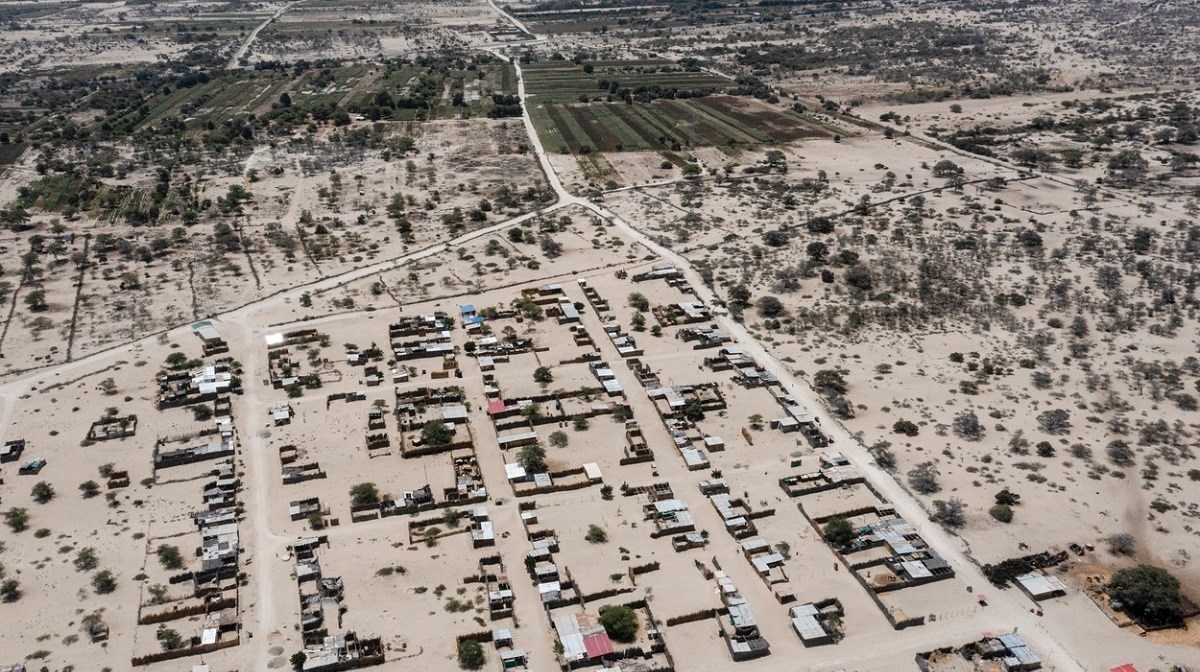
[{"x": 320, "y": 598}]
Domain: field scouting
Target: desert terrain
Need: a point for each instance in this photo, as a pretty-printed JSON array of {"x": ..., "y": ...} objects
[{"x": 350, "y": 334}]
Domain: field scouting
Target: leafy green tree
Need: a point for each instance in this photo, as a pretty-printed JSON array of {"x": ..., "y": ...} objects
[
  {"x": 89, "y": 489},
  {"x": 839, "y": 532},
  {"x": 436, "y": 433},
  {"x": 620, "y": 622},
  {"x": 17, "y": 519},
  {"x": 906, "y": 427},
  {"x": 169, "y": 556},
  {"x": 10, "y": 590},
  {"x": 42, "y": 492},
  {"x": 104, "y": 582},
  {"x": 86, "y": 559},
  {"x": 363, "y": 494},
  {"x": 1149, "y": 594},
  {"x": 543, "y": 375},
  {"x": 770, "y": 306},
  {"x": 596, "y": 535},
  {"x": 470, "y": 655},
  {"x": 532, "y": 458},
  {"x": 830, "y": 380},
  {"x": 1002, "y": 513},
  {"x": 1008, "y": 497}
]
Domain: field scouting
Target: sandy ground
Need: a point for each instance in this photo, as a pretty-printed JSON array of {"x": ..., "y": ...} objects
[{"x": 1138, "y": 361}]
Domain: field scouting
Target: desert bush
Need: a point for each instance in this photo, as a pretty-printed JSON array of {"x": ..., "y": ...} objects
[
  {"x": 1002, "y": 513},
  {"x": 923, "y": 478},
  {"x": 1122, "y": 543},
  {"x": 950, "y": 513}
]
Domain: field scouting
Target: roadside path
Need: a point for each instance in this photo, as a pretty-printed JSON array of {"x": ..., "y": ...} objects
[{"x": 238, "y": 53}]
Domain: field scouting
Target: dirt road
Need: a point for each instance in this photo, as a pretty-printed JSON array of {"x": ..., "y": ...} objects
[{"x": 235, "y": 60}]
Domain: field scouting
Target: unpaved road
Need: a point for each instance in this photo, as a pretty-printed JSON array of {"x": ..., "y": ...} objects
[{"x": 234, "y": 61}]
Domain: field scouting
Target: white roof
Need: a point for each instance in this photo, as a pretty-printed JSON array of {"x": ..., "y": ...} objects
[
  {"x": 592, "y": 470},
  {"x": 273, "y": 339},
  {"x": 1040, "y": 584},
  {"x": 514, "y": 471}
]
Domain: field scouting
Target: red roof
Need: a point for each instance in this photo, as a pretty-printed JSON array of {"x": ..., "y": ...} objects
[
  {"x": 495, "y": 406},
  {"x": 597, "y": 645},
  {"x": 1124, "y": 668}
]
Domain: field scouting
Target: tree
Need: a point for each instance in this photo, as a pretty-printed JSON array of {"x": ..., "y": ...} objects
[
  {"x": 967, "y": 425},
  {"x": 883, "y": 455},
  {"x": 906, "y": 427},
  {"x": 543, "y": 375},
  {"x": 596, "y": 535},
  {"x": 364, "y": 494},
  {"x": 89, "y": 489},
  {"x": 949, "y": 513},
  {"x": 10, "y": 590},
  {"x": 740, "y": 295},
  {"x": 169, "y": 639},
  {"x": 558, "y": 439},
  {"x": 1056, "y": 421},
  {"x": 839, "y": 532},
  {"x": 1002, "y": 513},
  {"x": 830, "y": 380},
  {"x": 859, "y": 277},
  {"x": 606, "y": 491},
  {"x": 923, "y": 478},
  {"x": 946, "y": 168},
  {"x": 86, "y": 559},
  {"x": 1008, "y": 497},
  {"x": 532, "y": 459},
  {"x": 297, "y": 660},
  {"x": 42, "y": 492},
  {"x": 17, "y": 519},
  {"x": 1120, "y": 453},
  {"x": 470, "y": 655},
  {"x": 819, "y": 225},
  {"x": 36, "y": 300},
  {"x": 104, "y": 582},
  {"x": 1122, "y": 543},
  {"x": 639, "y": 302},
  {"x": 817, "y": 251},
  {"x": 693, "y": 409},
  {"x": 770, "y": 306},
  {"x": 1149, "y": 594},
  {"x": 638, "y": 321},
  {"x": 436, "y": 433},
  {"x": 169, "y": 556},
  {"x": 1127, "y": 167},
  {"x": 620, "y": 622}
]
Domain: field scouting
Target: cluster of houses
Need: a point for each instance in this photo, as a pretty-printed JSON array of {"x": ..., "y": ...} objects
[
  {"x": 739, "y": 627},
  {"x": 218, "y": 444},
  {"x": 1002, "y": 653},
  {"x": 321, "y": 611},
  {"x": 885, "y": 553},
  {"x": 194, "y": 387},
  {"x": 215, "y": 583}
]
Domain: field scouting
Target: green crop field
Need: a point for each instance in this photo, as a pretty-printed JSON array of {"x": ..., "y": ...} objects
[
  {"x": 716, "y": 121},
  {"x": 566, "y": 81}
]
